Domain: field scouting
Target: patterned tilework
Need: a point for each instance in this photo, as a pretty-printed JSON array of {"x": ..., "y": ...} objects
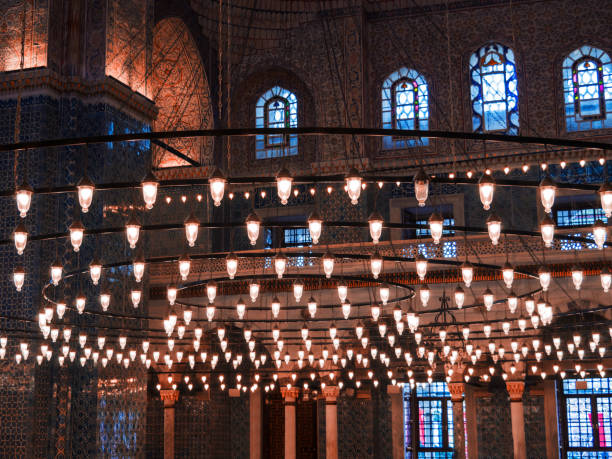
[
  {"x": 535, "y": 432},
  {"x": 239, "y": 422},
  {"x": 383, "y": 447},
  {"x": 192, "y": 427},
  {"x": 155, "y": 428},
  {"x": 494, "y": 425},
  {"x": 355, "y": 428},
  {"x": 321, "y": 426}
]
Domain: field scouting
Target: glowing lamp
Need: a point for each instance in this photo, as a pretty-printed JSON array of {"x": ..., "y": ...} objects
[
  {"x": 577, "y": 276},
  {"x": 216, "y": 183},
  {"x": 508, "y": 274},
  {"x": 512, "y": 302},
  {"x": 283, "y": 185},
  {"x": 467, "y": 273},
  {"x": 192, "y": 225},
  {"x": 253, "y": 290},
  {"x": 606, "y": 279},
  {"x": 353, "y": 185},
  {"x": 80, "y": 302},
  {"x": 312, "y": 306},
  {"x": 494, "y": 226},
  {"x": 547, "y": 228},
  {"x": 421, "y": 266},
  {"x": 383, "y": 292},
  {"x": 139, "y": 268},
  {"x": 529, "y": 305},
  {"x": 421, "y": 187},
  {"x": 275, "y": 306},
  {"x": 346, "y": 309},
  {"x": 375, "y": 221},
  {"x": 136, "y": 296},
  {"x": 545, "y": 276},
  {"x": 488, "y": 299},
  {"x": 95, "y": 271},
  {"x": 105, "y": 300},
  {"x": 19, "y": 278},
  {"x": 253, "y": 222},
  {"x": 315, "y": 226},
  {"x": 328, "y": 264},
  {"x": 375, "y": 311},
  {"x": 459, "y": 297},
  {"x": 21, "y": 238},
  {"x": 600, "y": 234},
  {"x": 211, "y": 291},
  {"x": 548, "y": 189},
  {"x": 605, "y": 194},
  {"x": 342, "y": 292},
  {"x": 298, "y": 290},
  {"x": 23, "y": 196},
  {"x": 280, "y": 264},
  {"x": 376, "y": 264},
  {"x": 60, "y": 309},
  {"x": 56, "y": 272},
  {"x": 85, "y": 191},
  {"x": 436, "y": 226},
  {"x": 424, "y": 294},
  {"x": 149, "y": 190},
  {"x": 231, "y": 265},
  {"x": 171, "y": 294},
  {"x": 486, "y": 188},
  {"x": 132, "y": 231},
  {"x": 184, "y": 263}
]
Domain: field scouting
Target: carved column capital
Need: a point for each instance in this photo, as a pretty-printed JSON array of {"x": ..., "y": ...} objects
[
  {"x": 290, "y": 394},
  {"x": 394, "y": 389},
  {"x": 515, "y": 390},
  {"x": 169, "y": 397},
  {"x": 456, "y": 390},
  {"x": 331, "y": 393}
]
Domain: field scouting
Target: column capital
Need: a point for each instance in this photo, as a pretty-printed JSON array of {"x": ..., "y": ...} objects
[
  {"x": 394, "y": 389},
  {"x": 331, "y": 393},
  {"x": 456, "y": 390},
  {"x": 290, "y": 394},
  {"x": 169, "y": 397},
  {"x": 515, "y": 390}
]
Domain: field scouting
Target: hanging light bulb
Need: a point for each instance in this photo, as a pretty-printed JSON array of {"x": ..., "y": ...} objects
[
  {"x": 184, "y": 263},
  {"x": 605, "y": 194},
  {"x": 280, "y": 264},
  {"x": 19, "y": 278},
  {"x": 298, "y": 290},
  {"x": 488, "y": 299},
  {"x": 421, "y": 266},
  {"x": 346, "y": 309},
  {"x": 136, "y": 295},
  {"x": 275, "y": 306},
  {"x": 85, "y": 190},
  {"x": 353, "y": 185},
  {"x": 231, "y": 264},
  {"x": 149, "y": 190},
  {"x": 606, "y": 279},
  {"x": 486, "y": 188},
  {"x": 494, "y": 226},
  {"x": 436, "y": 226},
  {"x": 21, "y": 238},
  {"x": 424, "y": 294},
  {"x": 383, "y": 292},
  {"x": 342, "y": 291},
  {"x": 192, "y": 225},
  {"x": 375, "y": 221},
  {"x": 56, "y": 272},
  {"x": 512, "y": 302},
  {"x": 545, "y": 277},
  {"x": 171, "y": 294},
  {"x": 467, "y": 273},
  {"x": 132, "y": 230},
  {"x": 283, "y": 185},
  {"x": 548, "y": 189},
  {"x": 421, "y": 187},
  {"x": 577, "y": 276},
  {"x": 312, "y": 307},
  {"x": 376, "y": 264},
  {"x": 187, "y": 316},
  {"x": 529, "y": 305},
  {"x": 60, "y": 310},
  {"x": 508, "y": 274},
  {"x": 216, "y": 183},
  {"x": 315, "y": 226},
  {"x": 23, "y": 196},
  {"x": 600, "y": 234},
  {"x": 211, "y": 291},
  {"x": 459, "y": 297},
  {"x": 547, "y": 228},
  {"x": 253, "y": 290},
  {"x": 80, "y": 302},
  {"x": 253, "y": 222},
  {"x": 105, "y": 300},
  {"x": 328, "y": 264},
  {"x": 413, "y": 321},
  {"x": 139, "y": 268}
]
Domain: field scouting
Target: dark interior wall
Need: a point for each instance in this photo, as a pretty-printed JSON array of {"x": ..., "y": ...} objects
[{"x": 494, "y": 424}]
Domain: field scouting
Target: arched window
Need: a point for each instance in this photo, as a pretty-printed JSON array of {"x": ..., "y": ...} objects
[
  {"x": 276, "y": 108},
  {"x": 494, "y": 90},
  {"x": 405, "y": 105},
  {"x": 587, "y": 89}
]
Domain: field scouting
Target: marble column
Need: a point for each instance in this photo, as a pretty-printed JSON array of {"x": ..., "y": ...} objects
[
  {"x": 255, "y": 419},
  {"x": 551, "y": 419},
  {"x": 397, "y": 421},
  {"x": 470, "y": 416},
  {"x": 515, "y": 390},
  {"x": 331, "y": 421},
  {"x": 169, "y": 397},
  {"x": 456, "y": 390},
  {"x": 290, "y": 396}
]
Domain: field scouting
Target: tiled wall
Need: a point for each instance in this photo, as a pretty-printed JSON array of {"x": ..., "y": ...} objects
[{"x": 494, "y": 425}]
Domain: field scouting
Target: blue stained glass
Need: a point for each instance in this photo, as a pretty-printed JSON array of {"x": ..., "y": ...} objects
[
  {"x": 587, "y": 87},
  {"x": 276, "y": 108},
  {"x": 494, "y": 90},
  {"x": 405, "y": 105}
]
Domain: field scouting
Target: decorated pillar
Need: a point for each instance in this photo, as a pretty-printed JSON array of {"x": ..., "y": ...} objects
[
  {"x": 169, "y": 397},
  {"x": 456, "y": 390},
  {"x": 550, "y": 419},
  {"x": 255, "y": 414},
  {"x": 331, "y": 421},
  {"x": 515, "y": 390},
  {"x": 290, "y": 395},
  {"x": 397, "y": 421}
]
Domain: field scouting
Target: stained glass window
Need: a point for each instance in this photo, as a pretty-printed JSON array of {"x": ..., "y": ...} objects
[
  {"x": 405, "y": 105},
  {"x": 587, "y": 89},
  {"x": 584, "y": 212},
  {"x": 276, "y": 108},
  {"x": 494, "y": 90},
  {"x": 587, "y": 430}
]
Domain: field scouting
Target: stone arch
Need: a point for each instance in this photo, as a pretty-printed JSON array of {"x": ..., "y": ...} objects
[{"x": 181, "y": 93}]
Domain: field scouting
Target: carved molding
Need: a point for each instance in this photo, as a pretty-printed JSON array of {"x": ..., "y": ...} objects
[
  {"x": 515, "y": 390},
  {"x": 290, "y": 394},
  {"x": 456, "y": 390},
  {"x": 331, "y": 393},
  {"x": 169, "y": 397}
]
